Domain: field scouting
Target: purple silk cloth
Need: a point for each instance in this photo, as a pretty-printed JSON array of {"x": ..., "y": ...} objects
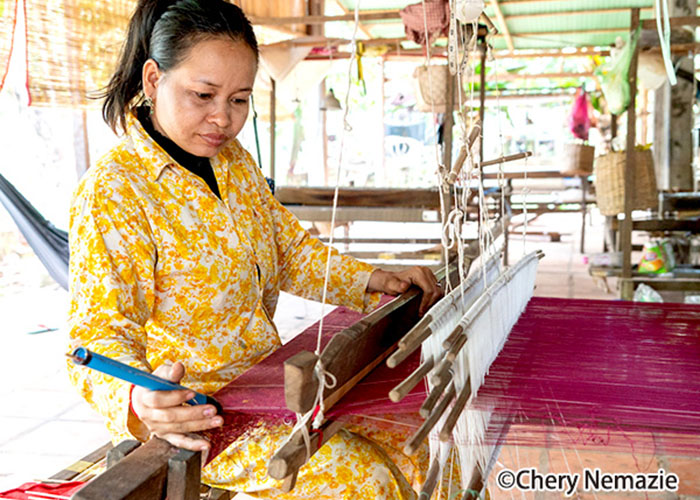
[
  {"x": 603, "y": 374},
  {"x": 257, "y": 396}
]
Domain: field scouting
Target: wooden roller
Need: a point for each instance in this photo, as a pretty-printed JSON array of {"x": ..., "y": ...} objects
[
  {"x": 430, "y": 422},
  {"x": 399, "y": 392}
]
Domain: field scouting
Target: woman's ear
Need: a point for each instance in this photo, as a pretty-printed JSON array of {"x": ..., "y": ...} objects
[{"x": 151, "y": 76}]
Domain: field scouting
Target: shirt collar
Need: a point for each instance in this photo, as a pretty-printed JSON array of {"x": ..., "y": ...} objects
[{"x": 155, "y": 159}]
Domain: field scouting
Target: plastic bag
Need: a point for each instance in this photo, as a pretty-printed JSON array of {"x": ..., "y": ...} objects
[
  {"x": 579, "y": 120},
  {"x": 655, "y": 258},
  {"x": 613, "y": 77},
  {"x": 645, "y": 293}
]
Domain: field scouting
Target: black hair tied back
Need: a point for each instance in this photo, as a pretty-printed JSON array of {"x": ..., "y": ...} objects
[{"x": 165, "y": 30}]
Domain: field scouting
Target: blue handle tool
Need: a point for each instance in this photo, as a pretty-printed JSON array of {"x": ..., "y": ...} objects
[{"x": 135, "y": 376}]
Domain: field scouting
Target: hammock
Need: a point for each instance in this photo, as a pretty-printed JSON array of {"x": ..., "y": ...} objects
[{"x": 49, "y": 243}]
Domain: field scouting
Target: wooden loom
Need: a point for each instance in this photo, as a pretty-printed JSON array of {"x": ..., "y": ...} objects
[{"x": 157, "y": 469}]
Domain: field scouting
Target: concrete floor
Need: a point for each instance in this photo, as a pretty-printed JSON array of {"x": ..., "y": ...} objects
[{"x": 45, "y": 426}]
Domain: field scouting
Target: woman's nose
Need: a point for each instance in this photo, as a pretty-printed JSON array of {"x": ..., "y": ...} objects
[{"x": 221, "y": 116}]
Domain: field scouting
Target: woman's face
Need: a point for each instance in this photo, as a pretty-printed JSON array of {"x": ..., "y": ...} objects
[{"x": 202, "y": 103}]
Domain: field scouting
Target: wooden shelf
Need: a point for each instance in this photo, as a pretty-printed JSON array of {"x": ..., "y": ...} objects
[{"x": 691, "y": 225}]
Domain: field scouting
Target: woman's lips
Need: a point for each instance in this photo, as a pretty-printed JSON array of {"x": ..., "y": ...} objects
[{"x": 214, "y": 140}]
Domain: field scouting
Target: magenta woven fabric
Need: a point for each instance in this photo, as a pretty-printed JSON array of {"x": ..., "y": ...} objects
[
  {"x": 600, "y": 374},
  {"x": 607, "y": 375},
  {"x": 258, "y": 394}
]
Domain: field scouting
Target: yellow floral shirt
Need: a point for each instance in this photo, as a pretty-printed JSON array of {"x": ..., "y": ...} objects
[{"x": 161, "y": 269}]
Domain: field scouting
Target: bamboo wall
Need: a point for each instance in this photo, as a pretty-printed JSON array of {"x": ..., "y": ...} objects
[
  {"x": 73, "y": 45},
  {"x": 8, "y": 12}
]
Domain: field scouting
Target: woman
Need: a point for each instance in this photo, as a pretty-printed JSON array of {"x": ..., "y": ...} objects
[{"x": 179, "y": 252}]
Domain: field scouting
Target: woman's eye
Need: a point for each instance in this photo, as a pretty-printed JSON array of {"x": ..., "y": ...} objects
[
  {"x": 203, "y": 95},
  {"x": 240, "y": 101}
]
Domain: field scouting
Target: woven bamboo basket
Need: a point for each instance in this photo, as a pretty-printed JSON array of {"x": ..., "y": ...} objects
[
  {"x": 578, "y": 159},
  {"x": 429, "y": 97},
  {"x": 610, "y": 182}
]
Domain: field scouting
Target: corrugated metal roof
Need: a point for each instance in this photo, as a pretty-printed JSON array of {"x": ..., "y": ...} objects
[{"x": 532, "y": 24}]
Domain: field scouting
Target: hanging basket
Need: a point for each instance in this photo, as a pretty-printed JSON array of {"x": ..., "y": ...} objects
[
  {"x": 578, "y": 159},
  {"x": 434, "y": 96},
  {"x": 610, "y": 182}
]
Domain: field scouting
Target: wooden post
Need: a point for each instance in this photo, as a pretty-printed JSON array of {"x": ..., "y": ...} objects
[
  {"x": 645, "y": 116},
  {"x": 117, "y": 453},
  {"x": 383, "y": 112},
  {"x": 482, "y": 97},
  {"x": 482, "y": 120},
  {"x": 449, "y": 123},
  {"x": 316, "y": 8},
  {"x": 141, "y": 474},
  {"x": 273, "y": 126},
  {"x": 584, "y": 190},
  {"x": 184, "y": 475},
  {"x": 324, "y": 134},
  {"x": 627, "y": 287},
  {"x": 673, "y": 111}
]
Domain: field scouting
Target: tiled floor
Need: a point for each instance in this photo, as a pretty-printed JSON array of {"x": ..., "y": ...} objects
[{"x": 44, "y": 426}]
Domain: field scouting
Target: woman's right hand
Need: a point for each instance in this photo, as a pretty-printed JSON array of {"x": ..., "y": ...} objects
[{"x": 164, "y": 414}]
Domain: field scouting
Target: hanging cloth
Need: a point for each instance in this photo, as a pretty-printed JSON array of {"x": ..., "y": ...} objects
[
  {"x": 437, "y": 16},
  {"x": 49, "y": 243}
]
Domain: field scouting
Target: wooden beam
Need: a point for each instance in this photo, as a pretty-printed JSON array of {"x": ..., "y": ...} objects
[
  {"x": 528, "y": 76},
  {"x": 86, "y": 463},
  {"x": 594, "y": 31},
  {"x": 393, "y": 41},
  {"x": 626, "y": 232},
  {"x": 676, "y": 22},
  {"x": 360, "y": 197},
  {"x": 504, "y": 26},
  {"x": 141, "y": 474},
  {"x": 379, "y": 15},
  {"x": 539, "y": 3},
  {"x": 665, "y": 284},
  {"x": 360, "y": 26},
  {"x": 419, "y": 54},
  {"x": 390, "y": 16},
  {"x": 662, "y": 225},
  {"x": 549, "y": 15}
]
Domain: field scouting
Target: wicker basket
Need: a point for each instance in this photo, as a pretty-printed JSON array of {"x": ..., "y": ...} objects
[
  {"x": 578, "y": 159},
  {"x": 610, "y": 182},
  {"x": 429, "y": 97}
]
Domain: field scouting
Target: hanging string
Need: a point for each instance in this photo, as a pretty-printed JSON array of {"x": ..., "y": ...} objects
[
  {"x": 525, "y": 191},
  {"x": 346, "y": 128},
  {"x": 442, "y": 187},
  {"x": 664, "y": 38},
  {"x": 326, "y": 379},
  {"x": 255, "y": 128}
]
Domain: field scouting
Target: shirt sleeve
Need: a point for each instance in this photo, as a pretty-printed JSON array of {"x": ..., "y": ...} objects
[
  {"x": 302, "y": 261},
  {"x": 111, "y": 293}
]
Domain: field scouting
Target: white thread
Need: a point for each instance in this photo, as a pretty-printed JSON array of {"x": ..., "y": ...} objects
[{"x": 326, "y": 379}]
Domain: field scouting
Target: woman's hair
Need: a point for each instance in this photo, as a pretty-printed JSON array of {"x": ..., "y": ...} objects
[{"x": 165, "y": 31}]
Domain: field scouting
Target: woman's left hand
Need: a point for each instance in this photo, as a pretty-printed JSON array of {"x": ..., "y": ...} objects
[{"x": 395, "y": 283}]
